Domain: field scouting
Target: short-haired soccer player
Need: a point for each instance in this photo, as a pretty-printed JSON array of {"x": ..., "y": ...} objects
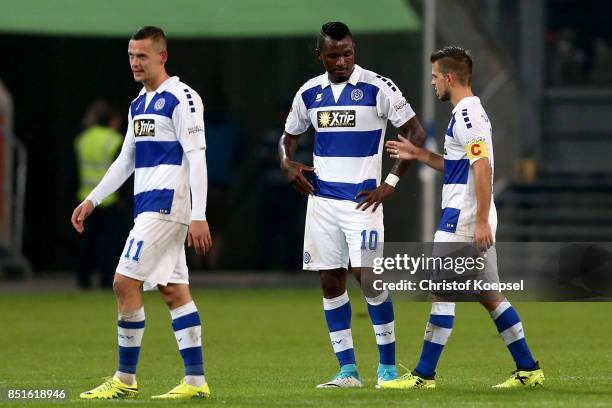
[
  {"x": 165, "y": 147},
  {"x": 349, "y": 108},
  {"x": 468, "y": 216}
]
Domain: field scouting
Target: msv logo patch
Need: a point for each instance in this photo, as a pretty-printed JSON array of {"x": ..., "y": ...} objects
[
  {"x": 336, "y": 118},
  {"x": 144, "y": 127}
]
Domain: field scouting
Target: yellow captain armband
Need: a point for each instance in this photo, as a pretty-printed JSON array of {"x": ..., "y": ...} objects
[{"x": 476, "y": 149}]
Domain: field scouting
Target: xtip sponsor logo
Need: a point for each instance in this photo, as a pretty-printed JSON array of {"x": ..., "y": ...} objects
[
  {"x": 343, "y": 118},
  {"x": 144, "y": 127}
]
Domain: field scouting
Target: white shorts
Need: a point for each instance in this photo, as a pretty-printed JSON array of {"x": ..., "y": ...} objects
[
  {"x": 490, "y": 273},
  {"x": 336, "y": 232},
  {"x": 154, "y": 253}
]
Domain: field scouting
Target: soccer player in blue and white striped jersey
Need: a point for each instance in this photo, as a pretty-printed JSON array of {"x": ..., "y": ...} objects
[
  {"x": 165, "y": 148},
  {"x": 468, "y": 216},
  {"x": 349, "y": 108}
]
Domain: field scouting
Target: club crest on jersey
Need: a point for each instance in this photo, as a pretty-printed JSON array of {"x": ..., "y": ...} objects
[
  {"x": 144, "y": 127},
  {"x": 159, "y": 105},
  {"x": 356, "y": 94},
  {"x": 336, "y": 118}
]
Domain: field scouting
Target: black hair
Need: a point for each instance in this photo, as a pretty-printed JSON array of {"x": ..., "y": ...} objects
[
  {"x": 456, "y": 60},
  {"x": 156, "y": 34},
  {"x": 101, "y": 113},
  {"x": 334, "y": 30}
]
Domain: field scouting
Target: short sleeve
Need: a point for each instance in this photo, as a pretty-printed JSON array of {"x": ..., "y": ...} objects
[
  {"x": 392, "y": 105},
  {"x": 298, "y": 120},
  {"x": 188, "y": 120},
  {"x": 473, "y": 131}
]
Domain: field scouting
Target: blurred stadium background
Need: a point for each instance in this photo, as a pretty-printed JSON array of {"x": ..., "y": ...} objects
[{"x": 543, "y": 69}]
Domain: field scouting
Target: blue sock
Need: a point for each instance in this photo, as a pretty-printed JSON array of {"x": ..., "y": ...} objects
[
  {"x": 338, "y": 317},
  {"x": 130, "y": 329},
  {"x": 188, "y": 333},
  {"x": 437, "y": 332},
  {"x": 380, "y": 309},
  {"x": 510, "y": 327}
]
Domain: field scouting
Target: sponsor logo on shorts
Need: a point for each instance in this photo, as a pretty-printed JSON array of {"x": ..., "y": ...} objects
[
  {"x": 336, "y": 118},
  {"x": 306, "y": 257},
  {"x": 144, "y": 127}
]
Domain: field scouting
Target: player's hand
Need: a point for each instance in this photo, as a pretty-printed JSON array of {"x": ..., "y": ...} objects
[
  {"x": 79, "y": 214},
  {"x": 199, "y": 236},
  {"x": 483, "y": 236},
  {"x": 295, "y": 174},
  {"x": 374, "y": 197},
  {"x": 402, "y": 149}
]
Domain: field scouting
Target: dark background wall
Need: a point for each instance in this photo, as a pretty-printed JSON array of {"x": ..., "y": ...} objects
[{"x": 53, "y": 80}]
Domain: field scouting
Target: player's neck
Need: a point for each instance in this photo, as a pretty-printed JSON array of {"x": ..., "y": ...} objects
[
  {"x": 153, "y": 84},
  {"x": 459, "y": 94}
]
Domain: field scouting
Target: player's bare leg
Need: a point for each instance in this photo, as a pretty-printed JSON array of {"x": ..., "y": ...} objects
[
  {"x": 188, "y": 332},
  {"x": 129, "y": 303},
  {"x": 175, "y": 295},
  {"x": 130, "y": 327}
]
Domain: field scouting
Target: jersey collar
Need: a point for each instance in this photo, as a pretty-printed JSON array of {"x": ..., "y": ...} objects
[
  {"x": 164, "y": 85},
  {"x": 353, "y": 79},
  {"x": 468, "y": 100}
]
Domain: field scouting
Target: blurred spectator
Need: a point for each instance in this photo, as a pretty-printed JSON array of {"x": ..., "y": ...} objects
[
  {"x": 281, "y": 210},
  {"x": 223, "y": 156},
  {"x": 568, "y": 60},
  {"x": 96, "y": 148},
  {"x": 602, "y": 63}
]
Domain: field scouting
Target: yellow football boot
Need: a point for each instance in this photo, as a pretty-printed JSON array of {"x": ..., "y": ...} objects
[
  {"x": 185, "y": 391},
  {"x": 112, "y": 388},
  {"x": 521, "y": 379}
]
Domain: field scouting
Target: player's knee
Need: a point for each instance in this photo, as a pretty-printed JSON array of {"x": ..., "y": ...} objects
[
  {"x": 333, "y": 284},
  {"x": 123, "y": 287}
]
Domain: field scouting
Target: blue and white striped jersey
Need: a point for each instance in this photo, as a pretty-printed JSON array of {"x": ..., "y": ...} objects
[
  {"x": 349, "y": 129},
  {"x": 468, "y": 139},
  {"x": 161, "y": 129}
]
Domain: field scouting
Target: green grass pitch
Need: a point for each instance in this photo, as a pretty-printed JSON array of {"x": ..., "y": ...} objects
[{"x": 269, "y": 348}]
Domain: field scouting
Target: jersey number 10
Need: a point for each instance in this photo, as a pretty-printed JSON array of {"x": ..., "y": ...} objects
[{"x": 372, "y": 242}]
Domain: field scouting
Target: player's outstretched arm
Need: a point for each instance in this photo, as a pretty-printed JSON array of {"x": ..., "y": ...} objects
[
  {"x": 79, "y": 214},
  {"x": 404, "y": 150},
  {"x": 294, "y": 171},
  {"x": 412, "y": 130}
]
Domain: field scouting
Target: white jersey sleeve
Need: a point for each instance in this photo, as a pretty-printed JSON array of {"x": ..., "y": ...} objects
[
  {"x": 298, "y": 120},
  {"x": 188, "y": 120},
  {"x": 473, "y": 132},
  {"x": 119, "y": 171},
  {"x": 391, "y": 104}
]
